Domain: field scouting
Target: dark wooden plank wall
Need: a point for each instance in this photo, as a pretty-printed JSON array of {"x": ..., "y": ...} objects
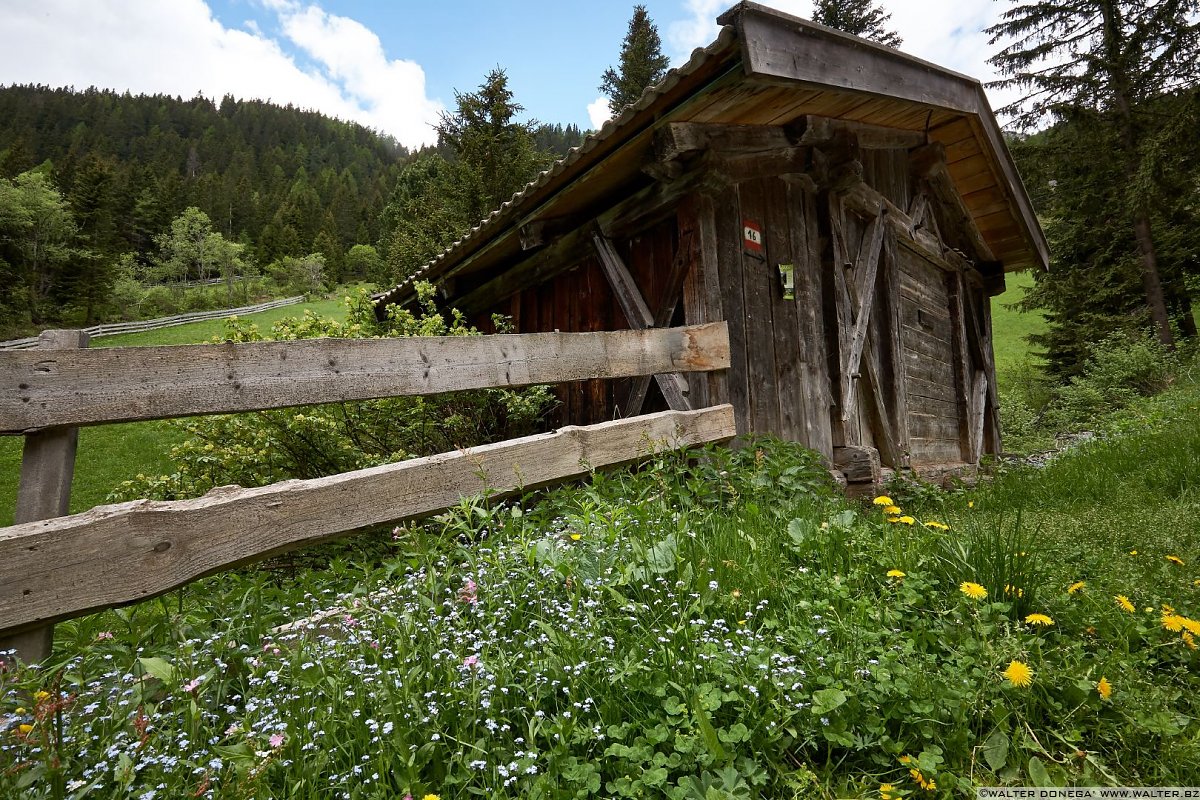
[
  {"x": 928, "y": 345},
  {"x": 579, "y": 299}
]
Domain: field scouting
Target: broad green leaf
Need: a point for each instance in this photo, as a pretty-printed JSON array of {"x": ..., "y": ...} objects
[
  {"x": 995, "y": 750},
  {"x": 159, "y": 668},
  {"x": 1037, "y": 773},
  {"x": 707, "y": 731},
  {"x": 826, "y": 700}
]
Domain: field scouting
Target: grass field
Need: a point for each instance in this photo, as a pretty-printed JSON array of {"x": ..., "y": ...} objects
[
  {"x": 109, "y": 454},
  {"x": 1010, "y": 328}
]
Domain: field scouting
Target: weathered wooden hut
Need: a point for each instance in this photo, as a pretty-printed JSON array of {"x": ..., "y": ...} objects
[{"x": 849, "y": 209}]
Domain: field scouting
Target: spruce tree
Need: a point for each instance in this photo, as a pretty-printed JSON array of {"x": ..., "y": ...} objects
[
  {"x": 642, "y": 63},
  {"x": 492, "y": 153},
  {"x": 1114, "y": 62},
  {"x": 858, "y": 17}
]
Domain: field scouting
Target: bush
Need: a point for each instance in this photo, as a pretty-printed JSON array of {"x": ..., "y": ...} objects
[{"x": 1123, "y": 367}]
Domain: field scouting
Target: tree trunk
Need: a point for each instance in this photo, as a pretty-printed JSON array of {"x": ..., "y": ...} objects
[
  {"x": 1187, "y": 322},
  {"x": 1151, "y": 282},
  {"x": 1118, "y": 69}
]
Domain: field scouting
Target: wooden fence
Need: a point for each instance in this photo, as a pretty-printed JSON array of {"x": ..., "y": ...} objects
[
  {"x": 114, "y": 328},
  {"x": 53, "y": 567}
]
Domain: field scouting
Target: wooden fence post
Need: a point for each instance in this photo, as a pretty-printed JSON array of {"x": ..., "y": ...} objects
[{"x": 47, "y": 467}]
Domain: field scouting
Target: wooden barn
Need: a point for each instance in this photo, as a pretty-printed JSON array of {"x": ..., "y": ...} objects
[{"x": 847, "y": 208}]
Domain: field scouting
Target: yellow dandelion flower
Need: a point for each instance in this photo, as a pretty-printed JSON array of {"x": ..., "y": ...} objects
[
  {"x": 1010, "y": 589},
  {"x": 1039, "y": 619},
  {"x": 1104, "y": 688},
  {"x": 973, "y": 590},
  {"x": 941, "y": 526},
  {"x": 40, "y": 696},
  {"x": 1189, "y": 640},
  {"x": 25, "y": 728},
  {"x": 1076, "y": 587},
  {"x": 1019, "y": 674},
  {"x": 907, "y": 520},
  {"x": 1175, "y": 560},
  {"x": 905, "y": 759},
  {"x": 1133, "y": 552},
  {"x": 1190, "y": 625},
  {"x": 970, "y": 504},
  {"x": 883, "y": 500},
  {"x": 1124, "y": 603},
  {"x": 893, "y": 520},
  {"x": 895, "y": 573},
  {"x": 735, "y": 594},
  {"x": 1172, "y": 622},
  {"x": 887, "y": 791},
  {"x": 1168, "y": 609},
  {"x": 20, "y": 710},
  {"x": 431, "y": 797},
  {"x": 894, "y": 510},
  {"x": 575, "y": 537}
]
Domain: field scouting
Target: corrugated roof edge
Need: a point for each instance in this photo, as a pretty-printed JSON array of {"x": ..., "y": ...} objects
[{"x": 699, "y": 57}]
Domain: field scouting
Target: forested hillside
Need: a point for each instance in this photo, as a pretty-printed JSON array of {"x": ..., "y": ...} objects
[
  {"x": 283, "y": 180},
  {"x": 104, "y": 196}
]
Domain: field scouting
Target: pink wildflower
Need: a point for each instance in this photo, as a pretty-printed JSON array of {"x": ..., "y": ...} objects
[
  {"x": 102, "y": 635},
  {"x": 469, "y": 592},
  {"x": 276, "y": 740},
  {"x": 193, "y": 684},
  {"x": 470, "y": 661}
]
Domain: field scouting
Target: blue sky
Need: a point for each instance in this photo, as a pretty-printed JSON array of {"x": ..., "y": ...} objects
[{"x": 395, "y": 65}]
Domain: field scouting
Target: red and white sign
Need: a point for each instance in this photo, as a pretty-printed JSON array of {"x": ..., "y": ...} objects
[{"x": 752, "y": 236}]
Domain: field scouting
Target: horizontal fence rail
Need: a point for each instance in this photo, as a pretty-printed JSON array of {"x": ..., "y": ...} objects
[
  {"x": 115, "y": 328},
  {"x": 117, "y": 554},
  {"x": 42, "y": 388}
]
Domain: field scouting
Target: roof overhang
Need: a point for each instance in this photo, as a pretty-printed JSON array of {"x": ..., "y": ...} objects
[{"x": 770, "y": 68}]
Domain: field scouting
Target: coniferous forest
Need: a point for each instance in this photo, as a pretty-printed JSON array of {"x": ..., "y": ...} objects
[{"x": 107, "y": 196}]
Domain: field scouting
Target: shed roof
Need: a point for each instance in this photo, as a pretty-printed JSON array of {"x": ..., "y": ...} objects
[{"x": 769, "y": 68}]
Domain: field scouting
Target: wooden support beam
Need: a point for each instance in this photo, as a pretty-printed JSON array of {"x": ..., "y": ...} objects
[
  {"x": 897, "y": 387},
  {"x": 44, "y": 491},
  {"x": 863, "y": 300},
  {"x": 957, "y": 224},
  {"x": 963, "y": 371},
  {"x": 859, "y": 358},
  {"x": 815, "y": 131},
  {"x": 117, "y": 384},
  {"x": 844, "y": 432},
  {"x": 681, "y": 140},
  {"x": 979, "y": 393},
  {"x": 681, "y": 263},
  {"x": 113, "y": 555},
  {"x": 637, "y": 313}
]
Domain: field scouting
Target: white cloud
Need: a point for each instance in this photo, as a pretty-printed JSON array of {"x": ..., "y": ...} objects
[
  {"x": 685, "y": 35},
  {"x": 599, "y": 112},
  {"x": 179, "y": 48}
]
